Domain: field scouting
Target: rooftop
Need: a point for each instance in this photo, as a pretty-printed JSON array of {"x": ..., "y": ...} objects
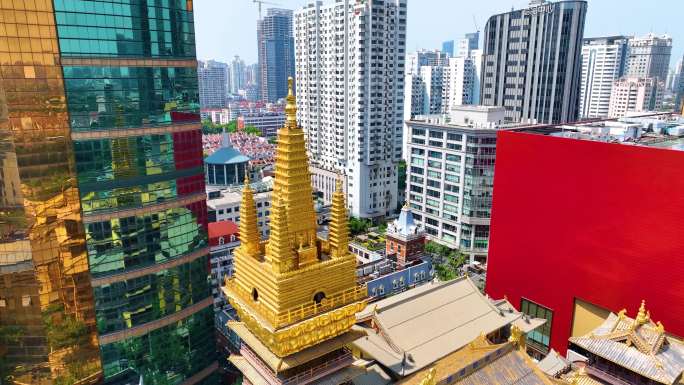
[
  {"x": 637, "y": 344},
  {"x": 222, "y": 229},
  {"x": 404, "y": 336},
  {"x": 661, "y": 130},
  {"x": 226, "y": 155}
]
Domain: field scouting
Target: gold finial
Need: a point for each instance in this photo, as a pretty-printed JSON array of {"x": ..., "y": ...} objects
[
  {"x": 660, "y": 328},
  {"x": 642, "y": 317},
  {"x": 430, "y": 378},
  {"x": 338, "y": 183},
  {"x": 517, "y": 337},
  {"x": 621, "y": 314},
  {"x": 291, "y": 106},
  {"x": 247, "y": 179}
]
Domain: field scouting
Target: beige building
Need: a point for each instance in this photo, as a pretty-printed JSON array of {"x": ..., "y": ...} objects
[{"x": 634, "y": 94}]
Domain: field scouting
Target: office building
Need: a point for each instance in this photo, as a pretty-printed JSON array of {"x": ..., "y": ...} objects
[
  {"x": 213, "y": 83},
  {"x": 266, "y": 122},
  {"x": 103, "y": 236},
  {"x": 450, "y": 175},
  {"x": 678, "y": 84},
  {"x": 223, "y": 240},
  {"x": 223, "y": 204},
  {"x": 649, "y": 56},
  {"x": 604, "y": 60},
  {"x": 276, "y": 53},
  {"x": 298, "y": 306},
  {"x": 532, "y": 61},
  {"x": 564, "y": 266},
  {"x": 470, "y": 42},
  {"x": 448, "y": 47},
  {"x": 237, "y": 75},
  {"x": 252, "y": 75},
  {"x": 631, "y": 94},
  {"x": 350, "y": 87}
]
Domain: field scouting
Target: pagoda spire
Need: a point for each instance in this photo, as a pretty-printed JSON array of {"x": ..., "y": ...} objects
[
  {"x": 293, "y": 180},
  {"x": 339, "y": 225},
  {"x": 279, "y": 249},
  {"x": 249, "y": 232}
]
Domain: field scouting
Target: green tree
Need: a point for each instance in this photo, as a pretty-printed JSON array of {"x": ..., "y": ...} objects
[
  {"x": 447, "y": 261},
  {"x": 252, "y": 130},
  {"x": 358, "y": 226}
]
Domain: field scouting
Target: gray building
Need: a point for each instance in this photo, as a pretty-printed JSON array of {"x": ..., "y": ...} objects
[
  {"x": 213, "y": 83},
  {"x": 237, "y": 75},
  {"x": 469, "y": 43},
  {"x": 276, "y": 53},
  {"x": 532, "y": 61},
  {"x": 450, "y": 176},
  {"x": 649, "y": 56}
]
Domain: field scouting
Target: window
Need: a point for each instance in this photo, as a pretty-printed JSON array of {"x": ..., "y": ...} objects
[
  {"x": 395, "y": 284},
  {"x": 434, "y": 164},
  {"x": 453, "y": 158},
  {"x": 381, "y": 290},
  {"x": 3, "y": 302},
  {"x": 418, "y": 131},
  {"x": 417, "y": 151},
  {"x": 25, "y": 300},
  {"x": 436, "y": 134},
  {"x": 435, "y": 154},
  {"x": 539, "y": 337},
  {"x": 456, "y": 137}
]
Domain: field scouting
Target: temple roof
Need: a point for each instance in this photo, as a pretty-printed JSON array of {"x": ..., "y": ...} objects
[
  {"x": 638, "y": 344},
  {"x": 404, "y": 335},
  {"x": 553, "y": 364}
]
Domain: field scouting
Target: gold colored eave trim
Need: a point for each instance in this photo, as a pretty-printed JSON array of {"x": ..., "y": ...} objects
[
  {"x": 108, "y": 280},
  {"x": 137, "y": 131},
  {"x": 143, "y": 329},
  {"x": 117, "y": 62},
  {"x": 189, "y": 199},
  {"x": 201, "y": 375}
]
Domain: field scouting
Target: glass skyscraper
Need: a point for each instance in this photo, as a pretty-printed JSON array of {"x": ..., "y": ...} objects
[
  {"x": 103, "y": 246},
  {"x": 276, "y": 53}
]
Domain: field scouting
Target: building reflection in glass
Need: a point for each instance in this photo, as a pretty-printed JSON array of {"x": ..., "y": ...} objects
[{"x": 47, "y": 316}]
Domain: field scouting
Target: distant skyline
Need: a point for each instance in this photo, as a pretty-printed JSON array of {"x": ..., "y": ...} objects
[{"x": 225, "y": 28}]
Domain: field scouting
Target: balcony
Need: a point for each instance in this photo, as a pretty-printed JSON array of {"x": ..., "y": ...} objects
[{"x": 307, "y": 376}]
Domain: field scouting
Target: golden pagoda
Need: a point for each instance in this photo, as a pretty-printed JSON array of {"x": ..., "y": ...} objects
[{"x": 295, "y": 294}]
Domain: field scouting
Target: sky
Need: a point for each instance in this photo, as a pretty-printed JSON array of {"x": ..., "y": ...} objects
[{"x": 225, "y": 28}]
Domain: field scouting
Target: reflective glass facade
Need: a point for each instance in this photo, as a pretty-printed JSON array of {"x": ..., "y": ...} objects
[
  {"x": 102, "y": 207},
  {"x": 47, "y": 313}
]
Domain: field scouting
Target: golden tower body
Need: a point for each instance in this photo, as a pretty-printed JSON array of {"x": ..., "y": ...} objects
[{"x": 296, "y": 294}]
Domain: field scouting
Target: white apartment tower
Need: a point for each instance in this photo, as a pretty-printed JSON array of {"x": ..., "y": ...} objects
[
  {"x": 349, "y": 65},
  {"x": 632, "y": 94},
  {"x": 604, "y": 61}
]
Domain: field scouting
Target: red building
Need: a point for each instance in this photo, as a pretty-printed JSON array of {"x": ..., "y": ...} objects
[
  {"x": 581, "y": 228},
  {"x": 405, "y": 239}
]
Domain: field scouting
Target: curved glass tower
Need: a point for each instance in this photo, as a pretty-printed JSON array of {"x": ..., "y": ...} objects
[{"x": 103, "y": 246}]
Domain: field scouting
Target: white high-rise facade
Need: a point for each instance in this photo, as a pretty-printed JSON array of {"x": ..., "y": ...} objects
[
  {"x": 237, "y": 75},
  {"x": 603, "y": 62},
  {"x": 349, "y": 65}
]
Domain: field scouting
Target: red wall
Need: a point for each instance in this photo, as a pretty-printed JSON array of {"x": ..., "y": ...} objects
[{"x": 597, "y": 221}]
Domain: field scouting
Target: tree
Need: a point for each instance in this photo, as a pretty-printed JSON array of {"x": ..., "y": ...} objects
[
  {"x": 358, "y": 226},
  {"x": 447, "y": 261},
  {"x": 252, "y": 130}
]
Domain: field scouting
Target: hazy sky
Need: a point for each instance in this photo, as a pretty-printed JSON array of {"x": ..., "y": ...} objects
[{"x": 225, "y": 28}]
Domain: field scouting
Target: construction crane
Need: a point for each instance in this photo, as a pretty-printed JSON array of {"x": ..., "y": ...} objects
[
  {"x": 260, "y": 2},
  {"x": 477, "y": 29}
]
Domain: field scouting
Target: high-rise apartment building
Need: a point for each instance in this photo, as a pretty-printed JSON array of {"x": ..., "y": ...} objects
[
  {"x": 678, "y": 84},
  {"x": 350, "y": 86},
  {"x": 649, "y": 56},
  {"x": 604, "y": 60},
  {"x": 213, "y": 83},
  {"x": 103, "y": 246},
  {"x": 276, "y": 53},
  {"x": 631, "y": 94},
  {"x": 450, "y": 175},
  {"x": 422, "y": 58},
  {"x": 237, "y": 75},
  {"x": 532, "y": 61}
]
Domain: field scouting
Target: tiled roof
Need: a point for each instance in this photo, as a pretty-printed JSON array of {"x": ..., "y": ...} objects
[
  {"x": 226, "y": 155},
  {"x": 638, "y": 345}
]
